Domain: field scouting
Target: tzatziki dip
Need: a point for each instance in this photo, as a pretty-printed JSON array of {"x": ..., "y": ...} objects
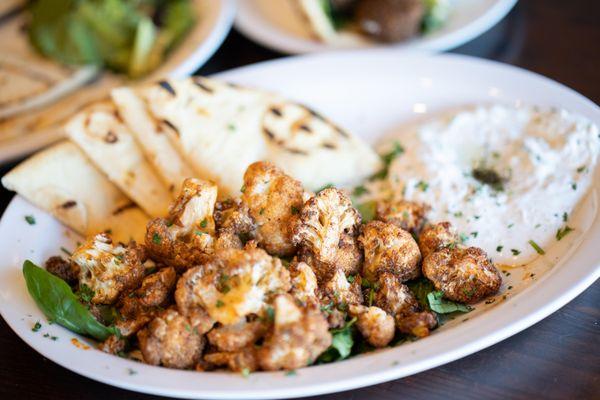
[{"x": 507, "y": 178}]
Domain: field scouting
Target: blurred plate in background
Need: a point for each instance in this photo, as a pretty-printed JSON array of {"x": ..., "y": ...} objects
[
  {"x": 58, "y": 91},
  {"x": 279, "y": 26}
]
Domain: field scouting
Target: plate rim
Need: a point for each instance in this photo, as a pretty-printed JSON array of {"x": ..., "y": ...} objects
[
  {"x": 293, "y": 45},
  {"x": 527, "y": 318}
]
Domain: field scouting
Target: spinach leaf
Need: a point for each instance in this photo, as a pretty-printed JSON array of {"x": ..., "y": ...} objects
[
  {"x": 58, "y": 302},
  {"x": 421, "y": 288},
  {"x": 442, "y": 306},
  {"x": 341, "y": 344}
]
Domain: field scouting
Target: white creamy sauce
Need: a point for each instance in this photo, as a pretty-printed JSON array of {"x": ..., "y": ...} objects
[{"x": 545, "y": 159}]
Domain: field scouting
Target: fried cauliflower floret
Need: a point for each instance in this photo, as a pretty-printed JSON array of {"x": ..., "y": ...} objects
[
  {"x": 436, "y": 237},
  {"x": 234, "y": 284},
  {"x": 187, "y": 234},
  {"x": 298, "y": 337},
  {"x": 326, "y": 232},
  {"x": 464, "y": 275},
  {"x": 389, "y": 249},
  {"x": 274, "y": 200},
  {"x": 304, "y": 283},
  {"x": 140, "y": 306},
  {"x": 107, "y": 268},
  {"x": 340, "y": 291},
  {"x": 397, "y": 300},
  {"x": 234, "y": 337},
  {"x": 374, "y": 324},
  {"x": 418, "y": 323},
  {"x": 408, "y": 215},
  {"x": 169, "y": 340},
  {"x": 237, "y": 361},
  {"x": 65, "y": 270},
  {"x": 233, "y": 222}
]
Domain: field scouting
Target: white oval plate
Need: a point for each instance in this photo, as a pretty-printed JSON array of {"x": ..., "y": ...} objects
[
  {"x": 375, "y": 91},
  {"x": 215, "y": 18},
  {"x": 279, "y": 26}
]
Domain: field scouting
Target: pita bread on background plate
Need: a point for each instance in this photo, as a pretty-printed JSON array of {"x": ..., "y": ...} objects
[{"x": 63, "y": 182}]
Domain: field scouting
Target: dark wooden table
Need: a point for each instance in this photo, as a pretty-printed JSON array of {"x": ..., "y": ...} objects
[{"x": 558, "y": 358}]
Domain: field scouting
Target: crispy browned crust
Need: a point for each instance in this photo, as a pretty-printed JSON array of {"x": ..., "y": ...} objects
[
  {"x": 464, "y": 275},
  {"x": 435, "y": 237}
]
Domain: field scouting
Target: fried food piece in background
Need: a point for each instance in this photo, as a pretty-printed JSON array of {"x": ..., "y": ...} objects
[
  {"x": 234, "y": 284},
  {"x": 186, "y": 236},
  {"x": 107, "y": 268},
  {"x": 304, "y": 283},
  {"x": 170, "y": 341},
  {"x": 326, "y": 233},
  {"x": 376, "y": 326},
  {"x": 464, "y": 275},
  {"x": 244, "y": 360},
  {"x": 390, "y": 20},
  {"x": 408, "y": 215},
  {"x": 389, "y": 249},
  {"x": 397, "y": 300},
  {"x": 274, "y": 200},
  {"x": 298, "y": 337},
  {"x": 435, "y": 237}
]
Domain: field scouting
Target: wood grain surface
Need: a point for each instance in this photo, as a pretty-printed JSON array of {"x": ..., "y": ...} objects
[{"x": 558, "y": 358}]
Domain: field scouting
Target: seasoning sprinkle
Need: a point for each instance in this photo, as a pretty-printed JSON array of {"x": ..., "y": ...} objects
[
  {"x": 536, "y": 247},
  {"x": 30, "y": 219}
]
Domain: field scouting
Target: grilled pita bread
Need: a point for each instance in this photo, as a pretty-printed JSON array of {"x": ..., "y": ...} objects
[
  {"x": 62, "y": 181},
  {"x": 151, "y": 135},
  {"x": 100, "y": 132},
  {"x": 221, "y": 129}
]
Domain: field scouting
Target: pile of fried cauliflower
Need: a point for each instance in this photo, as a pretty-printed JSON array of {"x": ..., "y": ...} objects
[{"x": 257, "y": 283}]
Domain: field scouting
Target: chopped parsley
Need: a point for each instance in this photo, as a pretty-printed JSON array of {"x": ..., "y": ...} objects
[
  {"x": 270, "y": 314},
  {"x": 203, "y": 223},
  {"x": 156, "y": 239},
  {"x": 30, "y": 219},
  {"x": 574, "y": 186},
  {"x": 474, "y": 234},
  {"x": 499, "y": 248},
  {"x": 86, "y": 294},
  {"x": 231, "y": 127},
  {"x": 537, "y": 248},
  {"x": 581, "y": 169},
  {"x": 562, "y": 232},
  {"x": 565, "y": 217},
  {"x": 131, "y": 371},
  {"x": 291, "y": 372},
  {"x": 359, "y": 191},
  {"x": 219, "y": 304},
  {"x": 350, "y": 278},
  {"x": 36, "y": 327},
  {"x": 198, "y": 233},
  {"x": 295, "y": 210},
  {"x": 243, "y": 188},
  {"x": 245, "y": 372},
  {"x": 463, "y": 237},
  {"x": 67, "y": 252},
  {"x": 422, "y": 185},
  {"x": 458, "y": 214},
  {"x": 261, "y": 211},
  {"x": 515, "y": 252},
  {"x": 510, "y": 225},
  {"x": 327, "y": 186}
]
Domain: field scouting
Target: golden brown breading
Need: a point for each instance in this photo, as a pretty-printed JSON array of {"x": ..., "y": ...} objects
[
  {"x": 376, "y": 326},
  {"x": 304, "y": 283},
  {"x": 186, "y": 236},
  {"x": 393, "y": 296},
  {"x": 435, "y": 237},
  {"x": 274, "y": 200},
  {"x": 233, "y": 222},
  {"x": 464, "y": 275},
  {"x": 108, "y": 269},
  {"x": 234, "y": 284},
  {"x": 338, "y": 290},
  {"x": 298, "y": 337},
  {"x": 169, "y": 340},
  {"x": 244, "y": 360},
  {"x": 416, "y": 323},
  {"x": 397, "y": 300},
  {"x": 408, "y": 215},
  {"x": 326, "y": 232},
  {"x": 389, "y": 249},
  {"x": 64, "y": 269},
  {"x": 234, "y": 337}
]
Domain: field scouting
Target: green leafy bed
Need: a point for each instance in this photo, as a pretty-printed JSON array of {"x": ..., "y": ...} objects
[{"x": 129, "y": 36}]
